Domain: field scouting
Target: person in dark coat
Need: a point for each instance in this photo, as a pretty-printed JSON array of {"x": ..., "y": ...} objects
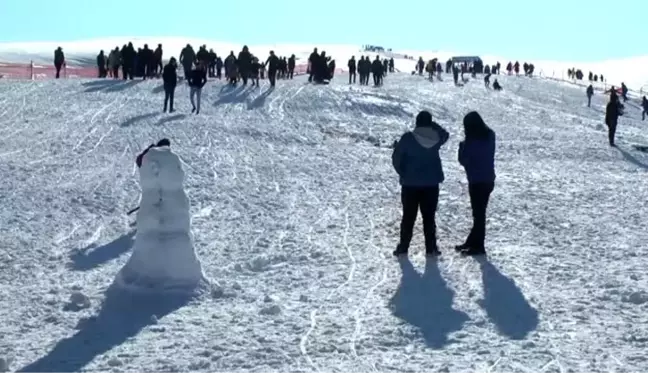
[
  {"x": 170, "y": 79},
  {"x": 477, "y": 156},
  {"x": 59, "y": 61},
  {"x": 197, "y": 80},
  {"x": 312, "y": 62},
  {"x": 644, "y": 105},
  {"x": 590, "y": 93},
  {"x": 352, "y": 69},
  {"x": 497, "y": 86},
  {"x": 244, "y": 61},
  {"x": 187, "y": 58},
  {"x": 418, "y": 164},
  {"x": 255, "y": 68},
  {"x": 101, "y": 64},
  {"x": 291, "y": 66},
  {"x": 613, "y": 110},
  {"x": 157, "y": 60},
  {"x": 377, "y": 70},
  {"x": 273, "y": 66}
]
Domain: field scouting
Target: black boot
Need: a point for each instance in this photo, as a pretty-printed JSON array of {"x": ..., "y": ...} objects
[
  {"x": 473, "y": 251},
  {"x": 400, "y": 250}
]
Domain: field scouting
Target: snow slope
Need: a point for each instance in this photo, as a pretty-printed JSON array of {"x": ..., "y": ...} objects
[
  {"x": 629, "y": 70},
  {"x": 295, "y": 211}
]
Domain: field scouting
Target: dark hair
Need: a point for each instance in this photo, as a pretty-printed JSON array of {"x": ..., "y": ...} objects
[
  {"x": 424, "y": 119},
  {"x": 164, "y": 142},
  {"x": 475, "y": 127}
]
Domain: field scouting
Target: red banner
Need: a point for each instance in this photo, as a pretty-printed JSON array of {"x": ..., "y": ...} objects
[{"x": 33, "y": 71}]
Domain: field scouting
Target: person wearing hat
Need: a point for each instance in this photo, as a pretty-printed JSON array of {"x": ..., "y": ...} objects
[{"x": 418, "y": 165}]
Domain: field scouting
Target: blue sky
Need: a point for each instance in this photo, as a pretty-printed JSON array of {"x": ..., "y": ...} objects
[{"x": 571, "y": 30}]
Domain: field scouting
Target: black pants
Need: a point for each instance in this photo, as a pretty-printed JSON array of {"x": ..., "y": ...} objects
[
  {"x": 272, "y": 77},
  {"x": 168, "y": 97},
  {"x": 58, "y": 70},
  {"x": 352, "y": 74},
  {"x": 413, "y": 198},
  {"x": 589, "y": 100},
  {"x": 611, "y": 132},
  {"x": 115, "y": 72},
  {"x": 291, "y": 72},
  {"x": 479, "y": 196}
]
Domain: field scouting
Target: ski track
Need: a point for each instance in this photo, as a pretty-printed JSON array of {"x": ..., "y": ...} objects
[{"x": 295, "y": 204}]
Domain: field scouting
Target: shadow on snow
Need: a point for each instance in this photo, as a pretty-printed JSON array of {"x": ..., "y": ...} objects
[
  {"x": 632, "y": 159},
  {"x": 91, "y": 257},
  {"x": 425, "y": 301},
  {"x": 259, "y": 100},
  {"x": 138, "y": 118},
  {"x": 504, "y": 303},
  {"x": 110, "y": 85},
  {"x": 122, "y": 315}
]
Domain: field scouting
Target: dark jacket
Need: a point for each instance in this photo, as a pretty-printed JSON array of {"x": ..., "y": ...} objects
[
  {"x": 416, "y": 156},
  {"x": 197, "y": 78},
  {"x": 477, "y": 156},
  {"x": 170, "y": 76},
  {"x": 612, "y": 112}
]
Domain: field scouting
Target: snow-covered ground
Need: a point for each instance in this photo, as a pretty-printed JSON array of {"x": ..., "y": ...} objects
[
  {"x": 295, "y": 211},
  {"x": 632, "y": 71}
]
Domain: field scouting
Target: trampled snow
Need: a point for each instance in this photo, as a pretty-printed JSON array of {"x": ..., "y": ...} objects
[
  {"x": 295, "y": 211},
  {"x": 163, "y": 256}
]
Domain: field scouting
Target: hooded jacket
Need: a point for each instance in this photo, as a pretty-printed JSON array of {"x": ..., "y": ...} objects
[{"x": 416, "y": 156}]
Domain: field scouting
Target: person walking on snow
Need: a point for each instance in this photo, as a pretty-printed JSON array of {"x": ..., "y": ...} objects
[
  {"x": 644, "y": 105},
  {"x": 197, "y": 80},
  {"x": 170, "y": 80},
  {"x": 418, "y": 165},
  {"x": 613, "y": 110},
  {"x": 590, "y": 93},
  {"x": 477, "y": 156}
]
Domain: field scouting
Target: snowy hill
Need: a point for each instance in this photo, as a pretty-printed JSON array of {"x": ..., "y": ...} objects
[
  {"x": 295, "y": 211},
  {"x": 84, "y": 52}
]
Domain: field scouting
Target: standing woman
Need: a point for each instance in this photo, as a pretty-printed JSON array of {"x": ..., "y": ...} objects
[{"x": 477, "y": 156}]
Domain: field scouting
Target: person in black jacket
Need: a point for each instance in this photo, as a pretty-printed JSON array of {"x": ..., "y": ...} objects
[
  {"x": 590, "y": 93},
  {"x": 477, "y": 156},
  {"x": 613, "y": 110},
  {"x": 291, "y": 66},
  {"x": 170, "y": 79},
  {"x": 197, "y": 80},
  {"x": 273, "y": 66},
  {"x": 352, "y": 69},
  {"x": 59, "y": 61},
  {"x": 644, "y": 105},
  {"x": 417, "y": 162}
]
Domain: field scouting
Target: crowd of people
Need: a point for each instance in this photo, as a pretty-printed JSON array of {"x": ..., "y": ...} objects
[{"x": 415, "y": 157}]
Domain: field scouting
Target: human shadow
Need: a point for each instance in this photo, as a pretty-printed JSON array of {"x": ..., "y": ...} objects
[
  {"x": 259, "y": 100},
  {"x": 233, "y": 95},
  {"x": 123, "y": 86},
  {"x": 138, "y": 118},
  {"x": 99, "y": 85},
  {"x": 382, "y": 109},
  {"x": 91, "y": 257},
  {"x": 122, "y": 315},
  {"x": 171, "y": 118},
  {"x": 425, "y": 301},
  {"x": 158, "y": 89},
  {"x": 504, "y": 303},
  {"x": 632, "y": 159}
]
